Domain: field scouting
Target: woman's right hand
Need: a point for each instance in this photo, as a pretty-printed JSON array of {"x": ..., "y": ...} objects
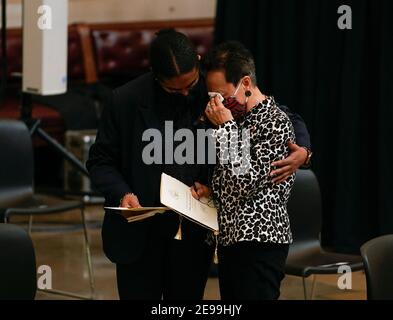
[
  {"x": 130, "y": 200},
  {"x": 198, "y": 190}
]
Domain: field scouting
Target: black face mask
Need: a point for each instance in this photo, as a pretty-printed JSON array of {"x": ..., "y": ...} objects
[
  {"x": 192, "y": 96},
  {"x": 172, "y": 107},
  {"x": 178, "y": 107}
]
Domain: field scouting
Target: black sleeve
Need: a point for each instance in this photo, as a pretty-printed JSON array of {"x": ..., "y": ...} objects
[
  {"x": 301, "y": 132},
  {"x": 104, "y": 157}
]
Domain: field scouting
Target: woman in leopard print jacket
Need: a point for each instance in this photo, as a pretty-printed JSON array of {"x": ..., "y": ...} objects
[{"x": 251, "y": 133}]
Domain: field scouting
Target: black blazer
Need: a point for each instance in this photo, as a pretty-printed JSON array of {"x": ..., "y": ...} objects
[{"x": 116, "y": 167}]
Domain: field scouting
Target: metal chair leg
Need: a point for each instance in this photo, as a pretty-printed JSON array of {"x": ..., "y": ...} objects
[
  {"x": 30, "y": 224},
  {"x": 88, "y": 258},
  {"x": 65, "y": 294},
  {"x": 313, "y": 286},
  {"x": 89, "y": 266},
  {"x": 304, "y": 288},
  {"x": 6, "y": 216},
  {"x": 88, "y": 255}
]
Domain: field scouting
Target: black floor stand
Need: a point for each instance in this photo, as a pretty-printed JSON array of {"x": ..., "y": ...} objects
[{"x": 35, "y": 129}]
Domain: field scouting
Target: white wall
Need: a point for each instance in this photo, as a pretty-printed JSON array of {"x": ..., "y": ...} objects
[{"x": 125, "y": 10}]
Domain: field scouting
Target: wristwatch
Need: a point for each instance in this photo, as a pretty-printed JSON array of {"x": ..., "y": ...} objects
[{"x": 307, "y": 163}]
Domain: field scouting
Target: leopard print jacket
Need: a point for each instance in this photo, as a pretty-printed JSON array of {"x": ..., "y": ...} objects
[{"x": 250, "y": 207}]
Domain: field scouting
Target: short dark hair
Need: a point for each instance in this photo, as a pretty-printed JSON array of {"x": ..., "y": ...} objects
[
  {"x": 234, "y": 59},
  {"x": 172, "y": 54}
]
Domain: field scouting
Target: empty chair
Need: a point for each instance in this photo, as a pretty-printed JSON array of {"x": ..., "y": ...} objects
[
  {"x": 17, "y": 195},
  {"x": 18, "y": 275},
  {"x": 377, "y": 256},
  {"x": 306, "y": 256}
]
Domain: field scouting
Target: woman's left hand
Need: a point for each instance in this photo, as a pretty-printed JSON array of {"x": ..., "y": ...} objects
[{"x": 217, "y": 113}]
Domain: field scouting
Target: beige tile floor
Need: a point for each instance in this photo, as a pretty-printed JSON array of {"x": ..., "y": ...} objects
[{"x": 64, "y": 253}]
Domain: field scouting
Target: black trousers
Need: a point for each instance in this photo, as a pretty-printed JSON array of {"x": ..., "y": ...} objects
[
  {"x": 168, "y": 269},
  {"x": 251, "y": 270}
]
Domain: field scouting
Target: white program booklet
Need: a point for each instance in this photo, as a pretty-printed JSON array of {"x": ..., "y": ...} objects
[{"x": 177, "y": 196}]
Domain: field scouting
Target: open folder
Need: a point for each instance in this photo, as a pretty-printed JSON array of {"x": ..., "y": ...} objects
[
  {"x": 176, "y": 196},
  {"x": 137, "y": 214}
]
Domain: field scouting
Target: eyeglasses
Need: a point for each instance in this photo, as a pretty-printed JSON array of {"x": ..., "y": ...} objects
[{"x": 187, "y": 88}]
